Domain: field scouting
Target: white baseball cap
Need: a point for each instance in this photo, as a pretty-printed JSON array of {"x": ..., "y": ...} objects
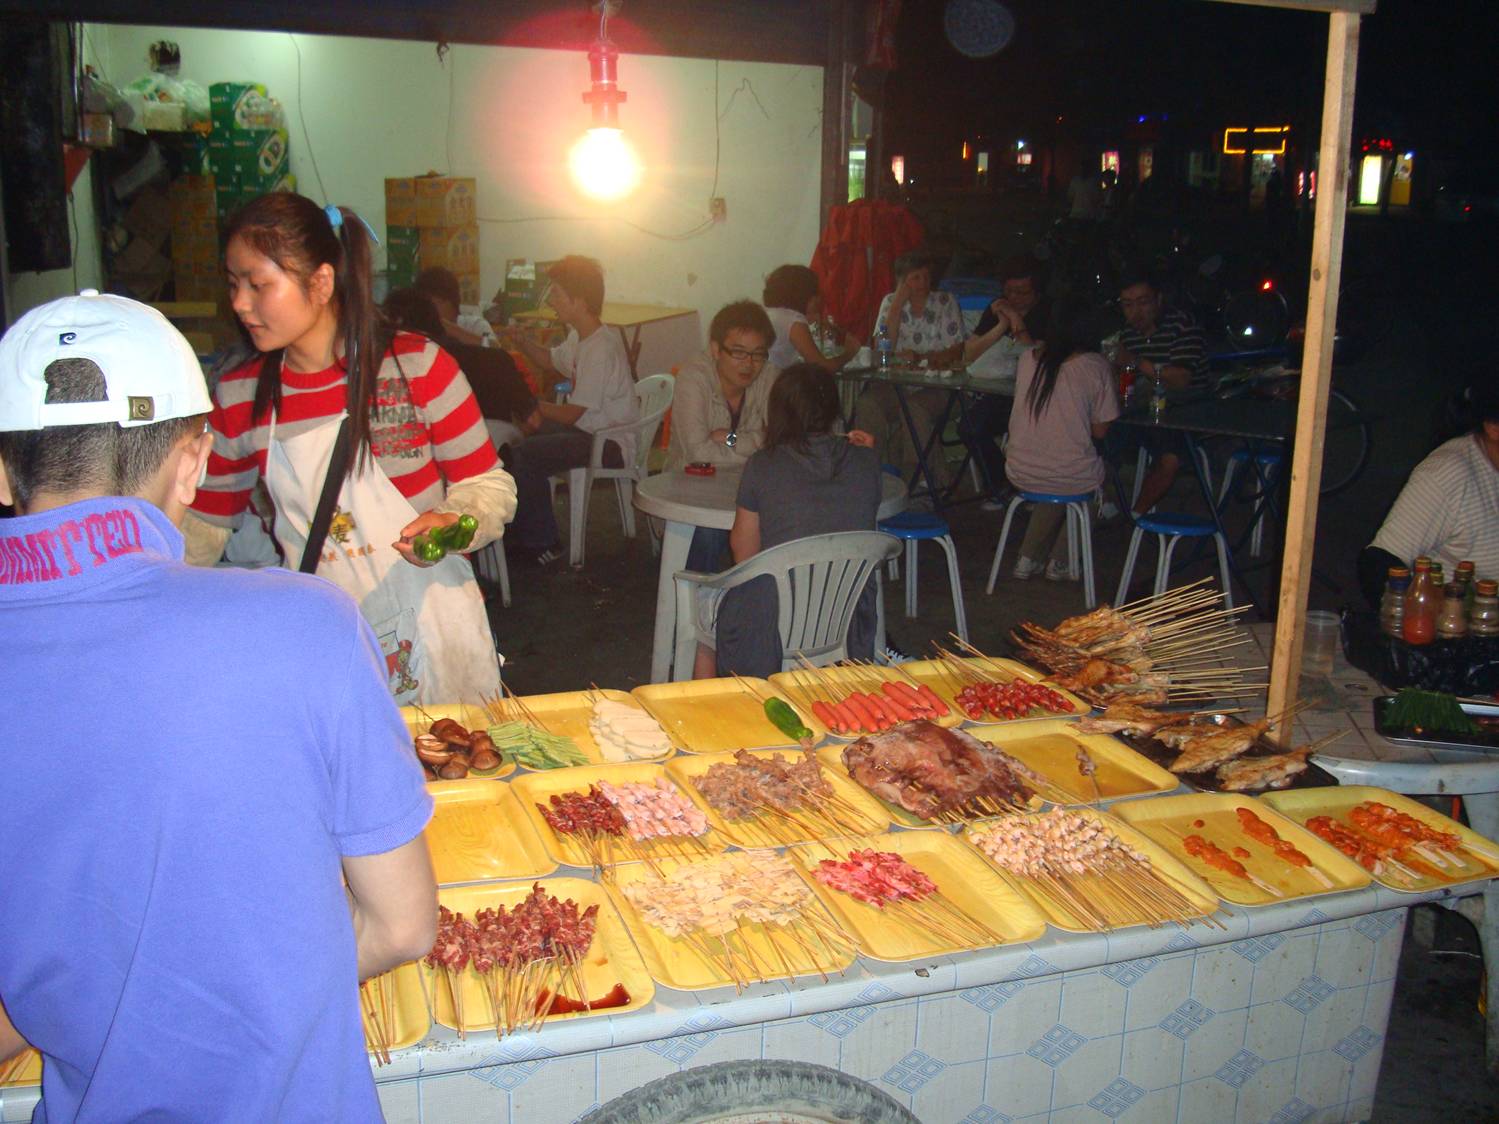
[{"x": 150, "y": 371}]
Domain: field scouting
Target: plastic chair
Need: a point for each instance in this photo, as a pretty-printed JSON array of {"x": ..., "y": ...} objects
[
  {"x": 818, "y": 583},
  {"x": 1266, "y": 467},
  {"x": 654, "y": 394},
  {"x": 490, "y": 564},
  {"x": 1079, "y": 537},
  {"x": 913, "y": 527},
  {"x": 1170, "y": 529}
]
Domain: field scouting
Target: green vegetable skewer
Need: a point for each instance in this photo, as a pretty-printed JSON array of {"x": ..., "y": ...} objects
[{"x": 438, "y": 543}]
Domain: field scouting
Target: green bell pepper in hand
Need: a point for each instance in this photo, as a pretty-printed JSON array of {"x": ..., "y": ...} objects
[{"x": 438, "y": 543}]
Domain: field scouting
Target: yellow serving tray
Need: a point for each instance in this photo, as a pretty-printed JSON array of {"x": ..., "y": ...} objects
[
  {"x": 722, "y": 715},
  {"x": 1170, "y": 818},
  {"x": 1477, "y": 861},
  {"x": 1049, "y": 746},
  {"x": 22, "y": 1070},
  {"x": 673, "y": 962},
  {"x": 469, "y": 717},
  {"x": 1057, "y": 914},
  {"x": 611, "y": 958},
  {"x": 831, "y": 757},
  {"x": 410, "y": 1020},
  {"x": 478, "y": 832},
  {"x": 566, "y": 714},
  {"x": 963, "y": 878},
  {"x": 802, "y": 686},
  {"x": 532, "y": 789},
  {"x": 859, "y": 813},
  {"x": 942, "y": 679}
]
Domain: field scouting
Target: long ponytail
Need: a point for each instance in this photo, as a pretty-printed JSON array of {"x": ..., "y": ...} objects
[{"x": 299, "y": 236}]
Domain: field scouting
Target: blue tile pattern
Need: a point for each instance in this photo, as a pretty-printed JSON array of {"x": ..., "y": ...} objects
[
  {"x": 986, "y": 1115},
  {"x": 913, "y": 1071},
  {"x": 1312, "y": 917},
  {"x": 1376, "y": 925},
  {"x": 1181, "y": 942},
  {"x": 1056, "y": 1045},
  {"x": 1310, "y": 994},
  {"x": 508, "y": 1077},
  {"x": 1130, "y": 972},
  {"x": 1240, "y": 1068},
  {"x": 1116, "y": 1098},
  {"x": 681, "y": 1048},
  {"x": 1294, "y": 1111},
  {"x": 840, "y": 1024},
  {"x": 519, "y": 1049},
  {"x": 1256, "y": 949},
  {"x": 1188, "y": 1018},
  {"x": 992, "y": 997},
  {"x": 1355, "y": 1045},
  {"x": 1033, "y": 966}
]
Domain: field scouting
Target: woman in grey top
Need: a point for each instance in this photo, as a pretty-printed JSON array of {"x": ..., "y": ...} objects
[{"x": 807, "y": 479}]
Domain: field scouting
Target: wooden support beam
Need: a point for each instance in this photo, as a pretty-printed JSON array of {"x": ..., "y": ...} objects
[{"x": 1316, "y": 366}]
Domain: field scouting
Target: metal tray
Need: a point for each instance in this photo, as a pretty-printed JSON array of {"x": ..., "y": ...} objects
[
  {"x": 1163, "y": 755},
  {"x": 1485, "y": 741}
]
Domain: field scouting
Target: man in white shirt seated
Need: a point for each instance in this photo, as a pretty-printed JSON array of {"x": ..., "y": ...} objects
[
  {"x": 1449, "y": 508},
  {"x": 603, "y": 394}
]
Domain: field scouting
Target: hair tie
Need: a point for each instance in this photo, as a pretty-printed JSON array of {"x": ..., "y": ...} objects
[{"x": 336, "y": 221}]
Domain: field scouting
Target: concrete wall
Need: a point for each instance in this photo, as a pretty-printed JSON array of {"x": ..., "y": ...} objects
[{"x": 364, "y": 109}]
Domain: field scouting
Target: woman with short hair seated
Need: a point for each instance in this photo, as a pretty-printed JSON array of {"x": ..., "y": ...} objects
[
  {"x": 793, "y": 302},
  {"x": 807, "y": 479}
]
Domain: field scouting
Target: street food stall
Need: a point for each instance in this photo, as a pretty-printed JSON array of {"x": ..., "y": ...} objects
[{"x": 983, "y": 888}]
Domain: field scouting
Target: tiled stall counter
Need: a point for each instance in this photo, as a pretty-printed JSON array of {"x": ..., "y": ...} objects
[{"x": 1279, "y": 1018}]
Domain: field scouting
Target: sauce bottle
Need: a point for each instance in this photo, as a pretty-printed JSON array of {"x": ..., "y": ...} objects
[
  {"x": 1392, "y": 604},
  {"x": 1452, "y": 621},
  {"x": 1484, "y": 619},
  {"x": 1420, "y": 623}
]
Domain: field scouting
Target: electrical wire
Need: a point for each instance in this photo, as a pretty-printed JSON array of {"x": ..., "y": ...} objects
[
  {"x": 306, "y": 136},
  {"x": 446, "y": 59}
]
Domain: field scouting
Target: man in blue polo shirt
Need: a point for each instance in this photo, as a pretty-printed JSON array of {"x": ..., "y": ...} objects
[{"x": 189, "y": 760}]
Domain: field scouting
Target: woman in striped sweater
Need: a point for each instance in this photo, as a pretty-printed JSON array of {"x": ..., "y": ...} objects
[{"x": 419, "y": 455}]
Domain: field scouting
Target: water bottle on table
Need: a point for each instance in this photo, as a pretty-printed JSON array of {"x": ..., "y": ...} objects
[
  {"x": 884, "y": 348},
  {"x": 1157, "y": 398}
]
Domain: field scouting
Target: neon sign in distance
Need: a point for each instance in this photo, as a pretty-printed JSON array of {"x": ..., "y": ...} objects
[{"x": 603, "y": 165}]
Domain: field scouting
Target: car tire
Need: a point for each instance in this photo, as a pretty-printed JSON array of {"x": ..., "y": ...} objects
[{"x": 795, "y": 1090}]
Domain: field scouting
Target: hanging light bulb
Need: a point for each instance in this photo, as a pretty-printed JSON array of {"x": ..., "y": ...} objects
[{"x": 602, "y": 162}]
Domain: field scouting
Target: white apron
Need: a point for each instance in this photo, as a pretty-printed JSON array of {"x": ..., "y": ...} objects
[{"x": 430, "y": 621}]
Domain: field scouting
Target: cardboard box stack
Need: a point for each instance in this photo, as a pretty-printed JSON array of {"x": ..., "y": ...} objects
[
  {"x": 142, "y": 268},
  {"x": 430, "y": 222},
  {"x": 249, "y": 152},
  {"x": 196, "y": 266}
]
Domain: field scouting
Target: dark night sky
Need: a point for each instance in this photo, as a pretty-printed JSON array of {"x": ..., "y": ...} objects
[{"x": 1425, "y": 72}]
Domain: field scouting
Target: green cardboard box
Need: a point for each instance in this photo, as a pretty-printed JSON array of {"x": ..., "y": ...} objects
[{"x": 234, "y": 105}]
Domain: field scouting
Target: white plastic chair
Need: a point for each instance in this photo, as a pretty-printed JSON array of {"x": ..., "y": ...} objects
[
  {"x": 490, "y": 565},
  {"x": 818, "y": 583},
  {"x": 654, "y": 395}
]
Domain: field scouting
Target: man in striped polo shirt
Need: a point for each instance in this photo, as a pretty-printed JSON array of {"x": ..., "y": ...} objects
[{"x": 1164, "y": 344}]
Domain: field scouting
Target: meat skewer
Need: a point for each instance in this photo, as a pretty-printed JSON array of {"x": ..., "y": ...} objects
[
  {"x": 1372, "y": 855},
  {"x": 890, "y": 883},
  {"x": 1260, "y": 831},
  {"x": 1215, "y": 856}
]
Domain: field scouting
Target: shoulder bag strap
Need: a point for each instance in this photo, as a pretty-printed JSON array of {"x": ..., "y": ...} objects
[{"x": 338, "y": 468}]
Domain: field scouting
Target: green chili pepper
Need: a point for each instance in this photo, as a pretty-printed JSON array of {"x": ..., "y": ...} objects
[
  {"x": 436, "y": 544},
  {"x": 786, "y": 720}
]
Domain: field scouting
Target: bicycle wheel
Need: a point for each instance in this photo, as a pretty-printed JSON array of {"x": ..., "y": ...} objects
[
  {"x": 1256, "y": 319},
  {"x": 1345, "y": 450}
]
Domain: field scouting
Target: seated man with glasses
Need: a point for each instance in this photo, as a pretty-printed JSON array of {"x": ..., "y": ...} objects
[
  {"x": 718, "y": 408},
  {"x": 603, "y": 394},
  {"x": 1163, "y": 344}
]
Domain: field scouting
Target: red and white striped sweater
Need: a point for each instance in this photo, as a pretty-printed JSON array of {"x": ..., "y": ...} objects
[{"x": 426, "y": 431}]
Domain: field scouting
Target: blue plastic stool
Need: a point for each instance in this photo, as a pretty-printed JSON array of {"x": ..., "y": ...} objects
[
  {"x": 913, "y": 527},
  {"x": 1268, "y": 466},
  {"x": 1079, "y": 537},
  {"x": 1170, "y": 529}
]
